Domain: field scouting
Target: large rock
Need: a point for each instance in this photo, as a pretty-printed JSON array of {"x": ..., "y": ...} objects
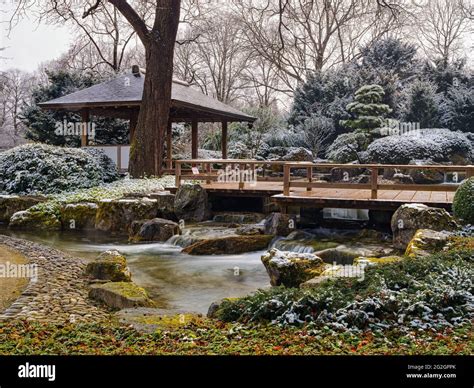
[
  {"x": 411, "y": 217},
  {"x": 120, "y": 295},
  {"x": 425, "y": 242},
  {"x": 290, "y": 269},
  {"x": 111, "y": 266},
  {"x": 427, "y": 176},
  {"x": 35, "y": 219},
  {"x": 79, "y": 215},
  {"x": 157, "y": 229},
  {"x": 229, "y": 245},
  {"x": 191, "y": 203},
  {"x": 165, "y": 203},
  {"x": 11, "y": 204},
  {"x": 299, "y": 154},
  {"x": 118, "y": 215},
  {"x": 345, "y": 255},
  {"x": 279, "y": 224},
  {"x": 250, "y": 230}
]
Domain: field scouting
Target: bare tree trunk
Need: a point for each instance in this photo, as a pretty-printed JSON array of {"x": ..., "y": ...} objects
[{"x": 146, "y": 154}]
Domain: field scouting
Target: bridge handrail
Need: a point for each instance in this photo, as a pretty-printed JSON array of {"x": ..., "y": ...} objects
[{"x": 373, "y": 183}]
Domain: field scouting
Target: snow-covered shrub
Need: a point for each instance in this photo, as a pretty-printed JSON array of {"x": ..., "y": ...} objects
[
  {"x": 438, "y": 145},
  {"x": 463, "y": 204},
  {"x": 109, "y": 169},
  {"x": 39, "y": 168},
  {"x": 347, "y": 147},
  {"x": 238, "y": 150}
]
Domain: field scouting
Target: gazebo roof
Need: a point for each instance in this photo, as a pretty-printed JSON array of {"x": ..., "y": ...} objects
[{"x": 125, "y": 91}]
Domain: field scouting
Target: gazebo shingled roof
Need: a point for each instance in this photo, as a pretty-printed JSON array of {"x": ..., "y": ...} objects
[
  {"x": 126, "y": 91},
  {"x": 121, "y": 97}
]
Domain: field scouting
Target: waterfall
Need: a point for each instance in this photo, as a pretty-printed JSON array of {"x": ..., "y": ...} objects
[{"x": 346, "y": 214}]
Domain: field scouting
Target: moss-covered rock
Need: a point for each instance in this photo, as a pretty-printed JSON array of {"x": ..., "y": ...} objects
[
  {"x": 157, "y": 229},
  {"x": 118, "y": 215},
  {"x": 110, "y": 265},
  {"x": 11, "y": 204},
  {"x": 345, "y": 255},
  {"x": 119, "y": 295},
  {"x": 463, "y": 204},
  {"x": 79, "y": 215},
  {"x": 411, "y": 217},
  {"x": 229, "y": 245},
  {"x": 290, "y": 269},
  {"x": 36, "y": 218},
  {"x": 426, "y": 242}
]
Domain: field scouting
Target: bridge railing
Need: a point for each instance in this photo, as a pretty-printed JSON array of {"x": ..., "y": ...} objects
[
  {"x": 244, "y": 172},
  {"x": 372, "y": 177}
]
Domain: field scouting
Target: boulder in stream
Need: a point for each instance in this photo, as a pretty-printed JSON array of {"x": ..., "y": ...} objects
[
  {"x": 120, "y": 295},
  {"x": 290, "y": 269},
  {"x": 110, "y": 266},
  {"x": 229, "y": 245},
  {"x": 157, "y": 229}
]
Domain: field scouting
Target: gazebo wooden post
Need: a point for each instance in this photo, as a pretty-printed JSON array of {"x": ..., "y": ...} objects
[
  {"x": 224, "y": 140},
  {"x": 194, "y": 139},
  {"x": 169, "y": 149},
  {"x": 85, "y": 117}
]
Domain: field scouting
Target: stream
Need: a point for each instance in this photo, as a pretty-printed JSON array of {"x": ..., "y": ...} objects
[{"x": 179, "y": 282}]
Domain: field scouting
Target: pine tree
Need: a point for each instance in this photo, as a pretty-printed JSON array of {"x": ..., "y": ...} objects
[
  {"x": 421, "y": 105},
  {"x": 367, "y": 109}
]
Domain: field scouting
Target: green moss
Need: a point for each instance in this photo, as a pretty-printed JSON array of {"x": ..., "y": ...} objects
[
  {"x": 127, "y": 289},
  {"x": 378, "y": 260}
]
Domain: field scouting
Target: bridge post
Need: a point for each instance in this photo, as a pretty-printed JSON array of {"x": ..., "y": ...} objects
[
  {"x": 286, "y": 179},
  {"x": 178, "y": 174},
  {"x": 374, "y": 182},
  {"x": 309, "y": 173}
]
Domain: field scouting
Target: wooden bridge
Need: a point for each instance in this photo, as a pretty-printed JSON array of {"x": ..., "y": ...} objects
[{"x": 304, "y": 184}]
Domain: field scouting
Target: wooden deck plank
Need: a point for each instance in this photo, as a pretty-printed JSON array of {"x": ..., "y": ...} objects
[
  {"x": 387, "y": 194},
  {"x": 438, "y": 196},
  {"x": 405, "y": 195},
  {"x": 421, "y": 196}
]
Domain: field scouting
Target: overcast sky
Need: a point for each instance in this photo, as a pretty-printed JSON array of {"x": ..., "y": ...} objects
[{"x": 30, "y": 44}]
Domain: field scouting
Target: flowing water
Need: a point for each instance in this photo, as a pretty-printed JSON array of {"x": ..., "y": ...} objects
[
  {"x": 176, "y": 281},
  {"x": 182, "y": 283}
]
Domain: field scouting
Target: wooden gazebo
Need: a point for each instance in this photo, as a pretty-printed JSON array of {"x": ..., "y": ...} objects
[{"x": 121, "y": 96}]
